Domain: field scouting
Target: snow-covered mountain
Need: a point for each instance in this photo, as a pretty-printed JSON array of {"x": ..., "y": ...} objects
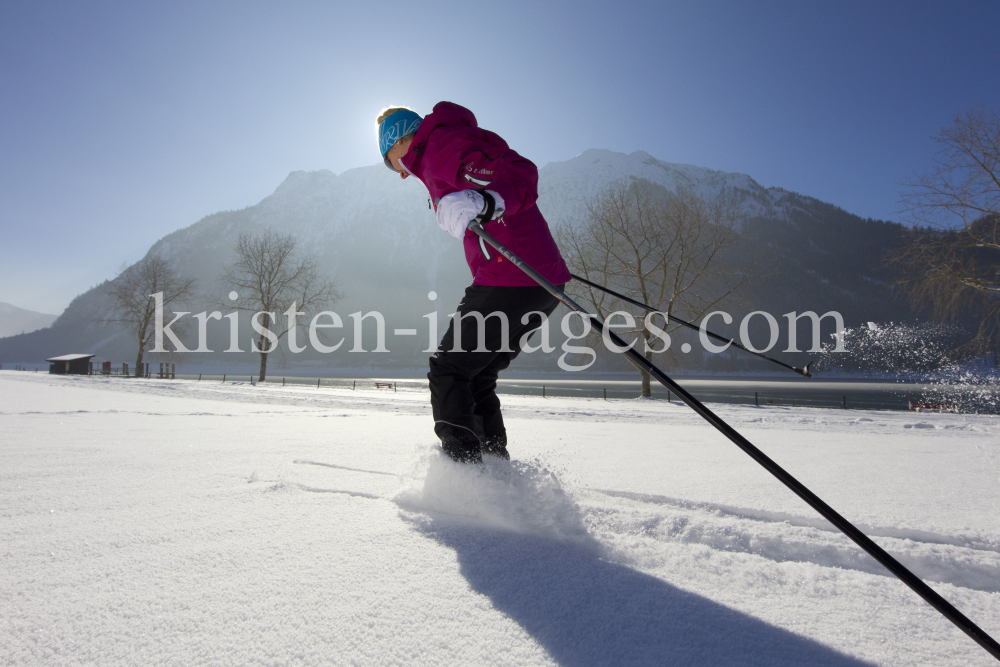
[
  {"x": 14, "y": 320},
  {"x": 565, "y": 187},
  {"x": 376, "y": 235}
]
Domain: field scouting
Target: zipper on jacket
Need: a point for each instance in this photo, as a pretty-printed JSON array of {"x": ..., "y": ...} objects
[{"x": 477, "y": 181}]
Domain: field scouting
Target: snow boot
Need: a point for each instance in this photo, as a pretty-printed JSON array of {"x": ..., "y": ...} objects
[
  {"x": 461, "y": 448},
  {"x": 496, "y": 445}
]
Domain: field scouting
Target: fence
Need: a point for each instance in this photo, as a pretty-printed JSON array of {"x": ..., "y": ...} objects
[{"x": 768, "y": 394}]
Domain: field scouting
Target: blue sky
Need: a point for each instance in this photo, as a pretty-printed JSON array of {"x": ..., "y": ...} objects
[{"x": 125, "y": 121}]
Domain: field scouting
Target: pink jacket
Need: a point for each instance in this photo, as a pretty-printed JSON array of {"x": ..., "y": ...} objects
[{"x": 450, "y": 153}]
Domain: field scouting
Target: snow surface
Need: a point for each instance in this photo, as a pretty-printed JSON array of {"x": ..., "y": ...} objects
[{"x": 185, "y": 523}]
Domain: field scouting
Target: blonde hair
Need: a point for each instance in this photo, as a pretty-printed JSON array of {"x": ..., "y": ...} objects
[{"x": 388, "y": 111}]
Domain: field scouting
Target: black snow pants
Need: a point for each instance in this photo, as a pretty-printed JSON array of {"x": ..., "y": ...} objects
[{"x": 463, "y": 378}]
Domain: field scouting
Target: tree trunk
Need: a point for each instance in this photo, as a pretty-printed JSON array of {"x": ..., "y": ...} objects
[
  {"x": 142, "y": 349},
  {"x": 263, "y": 358},
  {"x": 647, "y": 391}
]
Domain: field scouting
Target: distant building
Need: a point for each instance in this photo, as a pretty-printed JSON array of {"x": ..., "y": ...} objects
[{"x": 70, "y": 364}]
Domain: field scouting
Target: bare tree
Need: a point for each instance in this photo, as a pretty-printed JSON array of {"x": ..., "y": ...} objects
[
  {"x": 673, "y": 251},
  {"x": 951, "y": 261},
  {"x": 132, "y": 293},
  {"x": 270, "y": 277}
]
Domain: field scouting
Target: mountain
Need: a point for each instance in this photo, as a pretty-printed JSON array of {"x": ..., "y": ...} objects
[
  {"x": 14, "y": 320},
  {"x": 822, "y": 257},
  {"x": 377, "y": 236}
]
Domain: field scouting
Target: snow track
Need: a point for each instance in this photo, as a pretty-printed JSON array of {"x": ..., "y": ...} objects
[
  {"x": 781, "y": 537},
  {"x": 961, "y": 561}
]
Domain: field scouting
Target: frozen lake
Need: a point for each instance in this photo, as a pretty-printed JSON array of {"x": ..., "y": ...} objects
[{"x": 789, "y": 392}]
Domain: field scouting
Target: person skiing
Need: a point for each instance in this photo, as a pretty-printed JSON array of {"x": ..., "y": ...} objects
[{"x": 473, "y": 176}]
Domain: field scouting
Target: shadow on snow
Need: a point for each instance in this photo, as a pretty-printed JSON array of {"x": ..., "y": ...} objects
[{"x": 588, "y": 612}]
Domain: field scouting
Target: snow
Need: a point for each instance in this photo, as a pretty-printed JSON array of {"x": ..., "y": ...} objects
[{"x": 180, "y": 523}]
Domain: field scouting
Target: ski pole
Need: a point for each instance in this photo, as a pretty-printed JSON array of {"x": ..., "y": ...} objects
[
  {"x": 875, "y": 551},
  {"x": 804, "y": 371}
]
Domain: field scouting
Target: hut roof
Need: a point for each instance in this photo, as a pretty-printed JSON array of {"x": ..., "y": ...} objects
[{"x": 71, "y": 357}]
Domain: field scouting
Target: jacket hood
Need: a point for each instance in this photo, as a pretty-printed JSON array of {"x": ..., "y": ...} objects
[
  {"x": 449, "y": 113},
  {"x": 444, "y": 113}
]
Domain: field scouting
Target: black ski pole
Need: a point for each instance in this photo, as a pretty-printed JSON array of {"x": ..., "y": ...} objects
[
  {"x": 804, "y": 371},
  {"x": 875, "y": 551}
]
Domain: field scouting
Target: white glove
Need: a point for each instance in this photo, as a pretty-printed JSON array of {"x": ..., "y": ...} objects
[{"x": 456, "y": 211}]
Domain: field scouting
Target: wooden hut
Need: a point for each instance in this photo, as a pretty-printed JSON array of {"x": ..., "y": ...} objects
[{"x": 70, "y": 364}]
